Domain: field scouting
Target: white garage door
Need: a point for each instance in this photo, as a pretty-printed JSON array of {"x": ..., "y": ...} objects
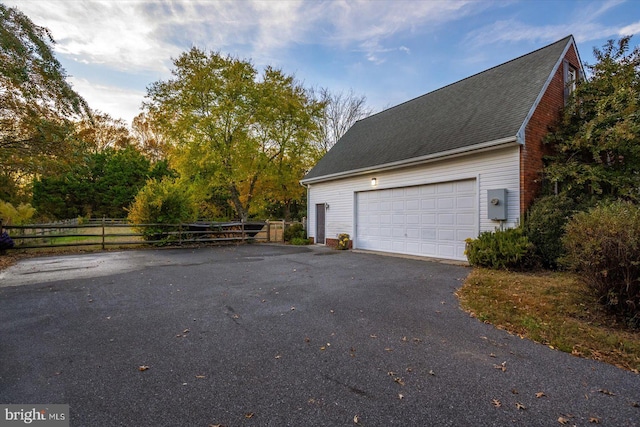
[{"x": 428, "y": 220}]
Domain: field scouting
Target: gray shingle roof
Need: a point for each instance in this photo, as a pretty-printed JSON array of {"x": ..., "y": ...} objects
[{"x": 488, "y": 106}]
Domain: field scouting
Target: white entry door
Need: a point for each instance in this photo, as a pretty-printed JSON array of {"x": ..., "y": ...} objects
[{"x": 427, "y": 220}]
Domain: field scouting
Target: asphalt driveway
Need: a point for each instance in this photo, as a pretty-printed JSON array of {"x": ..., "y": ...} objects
[{"x": 260, "y": 335}]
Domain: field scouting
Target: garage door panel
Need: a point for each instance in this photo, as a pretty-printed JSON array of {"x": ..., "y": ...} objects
[
  {"x": 446, "y": 234},
  {"x": 428, "y": 219},
  {"x": 413, "y": 247},
  {"x": 413, "y": 219},
  {"x": 446, "y": 203},
  {"x": 429, "y": 249},
  {"x": 398, "y": 246},
  {"x": 431, "y": 220},
  {"x": 428, "y": 204},
  {"x": 445, "y": 188},
  {"x": 446, "y": 251},
  {"x": 466, "y": 186},
  {"x": 465, "y": 202},
  {"x": 429, "y": 234},
  {"x": 412, "y": 191},
  {"x": 413, "y": 205},
  {"x": 464, "y": 234},
  {"x": 448, "y": 218}
]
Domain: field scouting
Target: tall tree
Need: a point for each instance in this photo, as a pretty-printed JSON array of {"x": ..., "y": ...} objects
[
  {"x": 102, "y": 132},
  {"x": 598, "y": 139},
  {"x": 37, "y": 104},
  {"x": 230, "y": 124},
  {"x": 150, "y": 138},
  {"x": 341, "y": 111}
]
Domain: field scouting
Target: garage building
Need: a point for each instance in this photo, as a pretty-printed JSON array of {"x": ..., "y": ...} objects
[{"x": 421, "y": 177}]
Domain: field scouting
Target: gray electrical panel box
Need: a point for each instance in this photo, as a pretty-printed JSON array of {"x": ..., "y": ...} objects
[{"x": 497, "y": 204}]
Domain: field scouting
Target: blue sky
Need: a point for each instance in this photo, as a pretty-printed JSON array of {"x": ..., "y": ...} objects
[{"x": 389, "y": 51}]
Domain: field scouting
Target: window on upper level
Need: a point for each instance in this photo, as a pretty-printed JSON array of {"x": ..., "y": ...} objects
[
  {"x": 572, "y": 76},
  {"x": 570, "y": 80}
]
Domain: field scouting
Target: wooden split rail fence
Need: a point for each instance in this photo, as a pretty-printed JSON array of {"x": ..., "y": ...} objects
[{"x": 117, "y": 232}]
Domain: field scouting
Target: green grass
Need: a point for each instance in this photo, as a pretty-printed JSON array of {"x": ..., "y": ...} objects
[{"x": 554, "y": 309}]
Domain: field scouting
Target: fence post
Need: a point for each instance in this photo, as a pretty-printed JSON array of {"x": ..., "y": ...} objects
[
  {"x": 103, "y": 220},
  {"x": 180, "y": 234},
  {"x": 283, "y": 225},
  {"x": 242, "y": 222},
  {"x": 268, "y": 231}
]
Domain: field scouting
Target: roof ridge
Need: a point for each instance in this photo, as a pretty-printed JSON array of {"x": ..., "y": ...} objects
[{"x": 564, "y": 39}]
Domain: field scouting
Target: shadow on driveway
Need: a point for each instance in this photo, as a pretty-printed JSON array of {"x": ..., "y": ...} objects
[{"x": 261, "y": 335}]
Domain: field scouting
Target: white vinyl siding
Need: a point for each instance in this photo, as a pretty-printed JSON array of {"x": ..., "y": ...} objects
[{"x": 498, "y": 168}]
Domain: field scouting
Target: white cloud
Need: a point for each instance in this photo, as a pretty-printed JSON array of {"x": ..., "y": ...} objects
[
  {"x": 584, "y": 27},
  {"x": 117, "y": 102},
  {"x": 630, "y": 29},
  {"x": 112, "y": 33},
  {"x": 145, "y": 34}
]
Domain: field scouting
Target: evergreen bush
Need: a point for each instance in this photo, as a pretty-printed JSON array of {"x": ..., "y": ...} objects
[
  {"x": 500, "y": 249},
  {"x": 544, "y": 226},
  {"x": 294, "y": 231}
]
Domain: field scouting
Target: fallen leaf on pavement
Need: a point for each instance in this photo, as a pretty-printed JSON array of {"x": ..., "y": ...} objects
[
  {"x": 200, "y": 376},
  {"x": 540, "y": 394},
  {"x": 520, "y": 406},
  {"x": 607, "y": 392},
  {"x": 249, "y": 415},
  {"x": 563, "y": 420},
  {"x": 496, "y": 403},
  {"x": 432, "y": 373},
  {"x": 594, "y": 420},
  {"x": 143, "y": 368},
  {"x": 356, "y": 419},
  {"x": 502, "y": 366}
]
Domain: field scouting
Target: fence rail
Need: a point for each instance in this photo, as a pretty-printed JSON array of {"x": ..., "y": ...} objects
[{"x": 109, "y": 232}]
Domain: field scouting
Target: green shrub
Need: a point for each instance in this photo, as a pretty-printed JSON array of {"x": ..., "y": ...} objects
[
  {"x": 500, "y": 249},
  {"x": 294, "y": 231},
  {"x": 299, "y": 241},
  {"x": 544, "y": 225},
  {"x": 162, "y": 202},
  {"x": 10, "y": 215},
  {"x": 603, "y": 248}
]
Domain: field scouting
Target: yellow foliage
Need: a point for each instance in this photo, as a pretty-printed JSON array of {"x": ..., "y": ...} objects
[{"x": 11, "y": 215}]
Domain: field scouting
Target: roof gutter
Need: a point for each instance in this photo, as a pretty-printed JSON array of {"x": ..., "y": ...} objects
[{"x": 483, "y": 146}]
